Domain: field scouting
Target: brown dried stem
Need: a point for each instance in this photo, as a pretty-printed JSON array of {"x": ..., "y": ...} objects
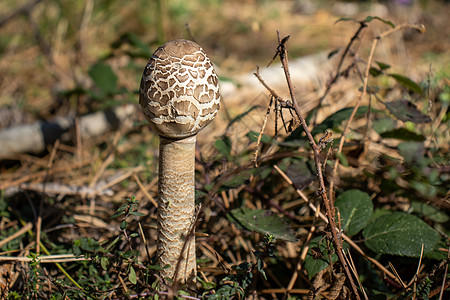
[{"x": 282, "y": 53}]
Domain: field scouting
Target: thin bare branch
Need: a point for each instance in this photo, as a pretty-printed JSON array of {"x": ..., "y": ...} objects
[{"x": 282, "y": 53}]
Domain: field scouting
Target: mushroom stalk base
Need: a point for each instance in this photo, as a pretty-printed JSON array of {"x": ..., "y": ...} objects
[{"x": 176, "y": 208}]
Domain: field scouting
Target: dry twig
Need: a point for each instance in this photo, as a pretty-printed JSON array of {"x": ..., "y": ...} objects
[{"x": 282, "y": 53}]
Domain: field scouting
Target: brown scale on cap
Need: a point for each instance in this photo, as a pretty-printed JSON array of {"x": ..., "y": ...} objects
[{"x": 179, "y": 90}]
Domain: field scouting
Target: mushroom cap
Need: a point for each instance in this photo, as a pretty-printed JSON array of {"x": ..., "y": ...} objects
[{"x": 179, "y": 92}]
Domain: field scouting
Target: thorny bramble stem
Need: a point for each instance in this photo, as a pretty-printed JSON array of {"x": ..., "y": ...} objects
[{"x": 282, "y": 53}]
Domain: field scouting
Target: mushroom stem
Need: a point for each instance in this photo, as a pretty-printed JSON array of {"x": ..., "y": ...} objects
[{"x": 176, "y": 208}]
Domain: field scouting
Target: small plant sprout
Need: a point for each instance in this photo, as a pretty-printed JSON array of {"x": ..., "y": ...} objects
[{"x": 179, "y": 95}]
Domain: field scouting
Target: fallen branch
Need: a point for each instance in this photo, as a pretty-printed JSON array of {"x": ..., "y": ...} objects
[
  {"x": 53, "y": 188},
  {"x": 34, "y": 138}
]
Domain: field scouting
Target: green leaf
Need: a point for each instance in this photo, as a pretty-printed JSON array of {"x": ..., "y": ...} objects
[
  {"x": 253, "y": 137},
  {"x": 260, "y": 266},
  {"x": 370, "y": 89},
  {"x": 355, "y": 208},
  {"x": 332, "y": 53},
  {"x": 104, "y": 78},
  {"x": 262, "y": 221},
  {"x": 239, "y": 179},
  {"x": 223, "y": 145},
  {"x": 342, "y": 159},
  {"x": 137, "y": 214},
  {"x": 134, "y": 41},
  {"x": 430, "y": 212},
  {"x": 132, "y": 276},
  {"x": 382, "y": 125},
  {"x": 370, "y": 18},
  {"x": 382, "y": 66},
  {"x": 301, "y": 173},
  {"x": 407, "y": 82},
  {"x": 375, "y": 72},
  {"x": 403, "y": 134},
  {"x": 336, "y": 119},
  {"x": 206, "y": 284},
  {"x": 413, "y": 152},
  {"x": 404, "y": 110},
  {"x": 104, "y": 263},
  {"x": 117, "y": 214},
  {"x": 317, "y": 258},
  {"x": 367, "y": 20},
  {"x": 400, "y": 234},
  {"x": 332, "y": 122},
  {"x": 344, "y": 20},
  {"x": 109, "y": 247},
  {"x": 89, "y": 244},
  {"x": 123, "y": 225}
]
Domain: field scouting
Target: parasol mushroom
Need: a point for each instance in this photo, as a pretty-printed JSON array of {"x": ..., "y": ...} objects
[{"x": 179, "y": 95}]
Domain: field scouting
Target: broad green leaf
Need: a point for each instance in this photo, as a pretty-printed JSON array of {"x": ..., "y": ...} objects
[
  {"x": 262, "y": 221},
  {"x": 407, "y": 82},
  {"x": 413, "y": 152},
  {"x": 382, "y": 125},
  {"x": 223, "y": 145},
  {"x": 378, "y": 213},
  {"x": 403, "y": 134},
  {"x": 302, "y": 173},
  {"x": 400, "y": 234},
  {"x": 132, "y": 276},
  {"x": 317, "y": 258},
  {"x": 404, "y": 110},
  {"x": 336, "y": 119},
  {"x": 104, "y": 78},
  {"x": 355, "y": 208},
  {"x": 430, "y": 212},
  {"x": 437, "y": 254}
]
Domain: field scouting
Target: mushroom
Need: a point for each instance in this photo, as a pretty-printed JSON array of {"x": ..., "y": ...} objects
[{"x": 179, "y": 95}]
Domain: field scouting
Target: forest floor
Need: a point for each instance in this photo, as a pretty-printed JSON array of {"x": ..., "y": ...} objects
[{"x": 73, "y": 59}]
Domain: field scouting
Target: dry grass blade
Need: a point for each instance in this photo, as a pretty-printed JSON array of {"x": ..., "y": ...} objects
[
  {"x": 21, "y": 231},
  {"x": 56, "y": 258}
]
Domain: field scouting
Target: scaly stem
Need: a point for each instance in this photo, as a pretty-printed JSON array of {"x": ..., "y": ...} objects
[{"x": 176, "y": 208}]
